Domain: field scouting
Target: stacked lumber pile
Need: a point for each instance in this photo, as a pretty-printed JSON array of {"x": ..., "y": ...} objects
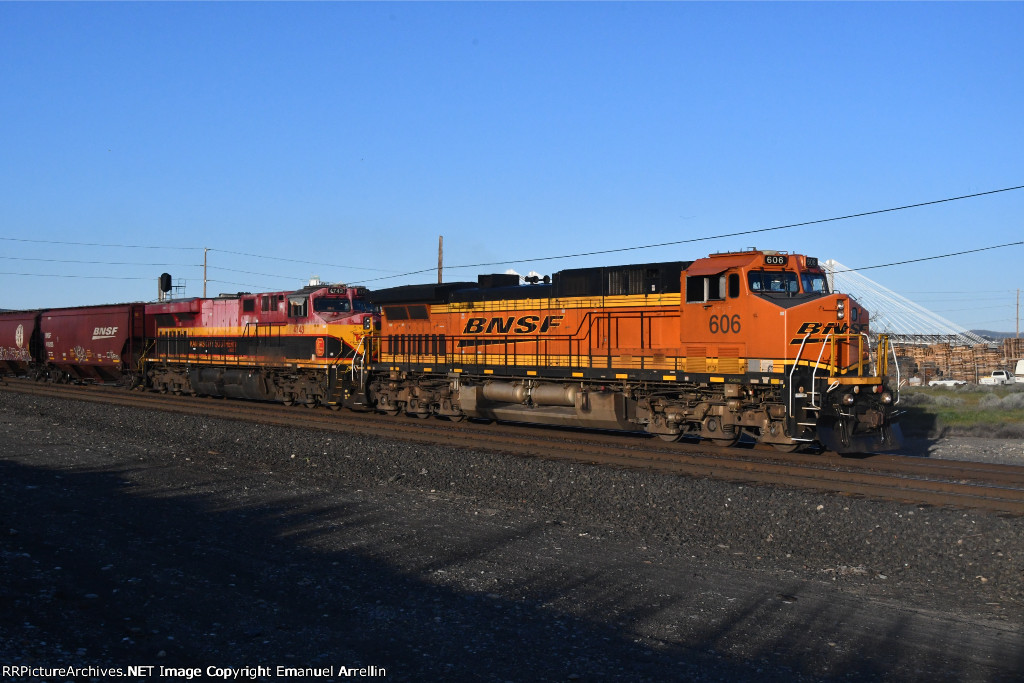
[
  {"x": 967, "y": 363},
  {"x": 1013, "y": 349}
]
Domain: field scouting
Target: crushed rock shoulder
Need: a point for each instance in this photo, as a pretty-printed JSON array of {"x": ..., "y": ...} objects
[{"x": 131, "y": 536}]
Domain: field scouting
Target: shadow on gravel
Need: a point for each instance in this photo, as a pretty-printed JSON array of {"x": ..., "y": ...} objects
[
  {"x": 96, "y": 572},
  {"x": 921, "y": 432}
]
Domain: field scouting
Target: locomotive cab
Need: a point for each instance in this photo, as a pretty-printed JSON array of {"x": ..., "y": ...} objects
[
  {"x": 774, "y": 314},
  {"x": 340, "y": 304}
]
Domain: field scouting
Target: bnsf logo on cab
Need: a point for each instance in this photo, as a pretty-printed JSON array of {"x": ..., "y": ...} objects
[
  {"x": 104, "y": 333},
  {"x": 807, "y": 330},
  {"x": 526, "y": 324},
  {"x": 832, "y": 328}
]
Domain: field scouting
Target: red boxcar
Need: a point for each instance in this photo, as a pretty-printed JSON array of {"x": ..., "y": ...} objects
[
  {"x": 19, "y": 341},
  {"x": 100, "y": 343}
]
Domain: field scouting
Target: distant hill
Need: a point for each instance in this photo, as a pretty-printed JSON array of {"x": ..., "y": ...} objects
[{"x": 994, "y": 335}]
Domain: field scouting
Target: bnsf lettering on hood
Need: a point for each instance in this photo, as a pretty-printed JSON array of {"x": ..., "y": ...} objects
[
  {"x": 526, "y": 324},
  {"x": 104, "y": 333}
]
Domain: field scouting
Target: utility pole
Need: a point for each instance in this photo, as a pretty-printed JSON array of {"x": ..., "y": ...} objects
[
  {"x": 440, "y": 257},
  {"x": 204, "y": 271}
]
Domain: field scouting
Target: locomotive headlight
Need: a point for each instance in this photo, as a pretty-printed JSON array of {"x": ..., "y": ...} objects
[
  {"x": 840, "y": 310},
  {"x": 886, "y": 398},
  {"x": 848, "y": 399}
]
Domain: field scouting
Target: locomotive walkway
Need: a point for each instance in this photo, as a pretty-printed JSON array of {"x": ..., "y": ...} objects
[{"x": 983, "y": 486}]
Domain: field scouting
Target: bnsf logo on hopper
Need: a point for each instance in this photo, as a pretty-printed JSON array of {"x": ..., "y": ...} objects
[
  {"x": 527, "y": 324},
  {"x": 104, "y": 333}
]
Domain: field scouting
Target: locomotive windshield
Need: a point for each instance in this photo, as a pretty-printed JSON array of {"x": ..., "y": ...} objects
[
  {"x": 814, "y": 283},
  {"x": 331, "y": 305},
  {"x": 341, "y": 305},
  {"x": 782, "y": 281}
]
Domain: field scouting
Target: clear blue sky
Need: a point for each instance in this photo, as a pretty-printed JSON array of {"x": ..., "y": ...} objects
[{"x": 348, "y": 137}]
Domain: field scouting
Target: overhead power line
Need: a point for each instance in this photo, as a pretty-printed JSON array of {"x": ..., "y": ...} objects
[
  {"x": 552, "y": 258},
  {"x": 291, "y": 260},
  {"x": 721, "y": 236},
  {"x": 932, "y": 258},
  {"x": 86, "y": 277},
  {"x": 99, "y": 244},
  {"x": 102, "y": 263}
]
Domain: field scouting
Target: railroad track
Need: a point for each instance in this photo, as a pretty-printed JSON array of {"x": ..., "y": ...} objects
[{"x": 996, "y": 488}]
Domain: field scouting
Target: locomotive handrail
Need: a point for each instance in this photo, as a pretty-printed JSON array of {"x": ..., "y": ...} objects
[
  {"x": 814, "y": 374},
  {"x": 892, "y": 347},
  {"x": 362, "y": 361},
  {"x": 796, "y": 361}
]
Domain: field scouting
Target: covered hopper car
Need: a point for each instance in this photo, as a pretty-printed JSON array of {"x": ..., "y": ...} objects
[{"x": 19, "y": 341}]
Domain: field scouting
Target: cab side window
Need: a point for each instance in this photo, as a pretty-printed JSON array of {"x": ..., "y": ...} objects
[
  {"x": 703, "y": 288},
  {"x": 297, "y": 307}
]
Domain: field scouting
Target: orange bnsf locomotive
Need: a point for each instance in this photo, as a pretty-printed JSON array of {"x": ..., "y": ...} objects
[{"x": 739, "y": 343}]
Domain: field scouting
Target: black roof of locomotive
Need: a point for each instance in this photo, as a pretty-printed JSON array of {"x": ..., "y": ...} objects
[
  {"x": 417, "y": 293},
  {"x": 640, "y": 278}
]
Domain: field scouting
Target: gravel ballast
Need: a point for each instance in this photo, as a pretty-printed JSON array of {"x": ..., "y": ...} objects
[{"x": 133, "y": 537}]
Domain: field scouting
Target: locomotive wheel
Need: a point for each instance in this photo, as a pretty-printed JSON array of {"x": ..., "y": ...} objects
[
  {"x": 670, "y": 438},
  {"x": 391, "y": 409},
  {"x": 786, "y": 447},
  {"x": 719, "y": 435}
]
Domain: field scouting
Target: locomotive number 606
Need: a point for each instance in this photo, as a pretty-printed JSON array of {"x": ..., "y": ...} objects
[{"x": 724, "y": 324}]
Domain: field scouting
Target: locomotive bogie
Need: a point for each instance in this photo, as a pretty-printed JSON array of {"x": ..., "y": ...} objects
[{"x": 301, "y": 387}]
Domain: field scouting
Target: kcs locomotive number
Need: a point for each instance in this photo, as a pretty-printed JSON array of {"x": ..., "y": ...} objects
[{"x": 724, "y": 324}]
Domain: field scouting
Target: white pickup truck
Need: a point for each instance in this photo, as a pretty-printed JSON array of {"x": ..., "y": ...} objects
[
  {"x": 946, "y": 383},
  {"x": 998, "y": 377}
]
